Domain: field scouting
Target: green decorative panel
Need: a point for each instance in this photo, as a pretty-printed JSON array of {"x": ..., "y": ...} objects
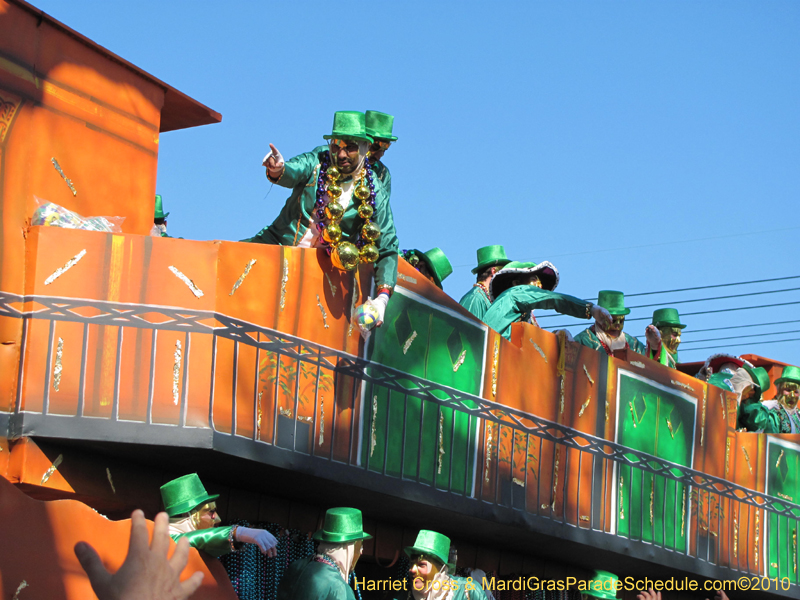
[
  {"x": 783, "y": 482},
  {"x": 426, "y": 340},
  {"x": 658, "y": 420}
]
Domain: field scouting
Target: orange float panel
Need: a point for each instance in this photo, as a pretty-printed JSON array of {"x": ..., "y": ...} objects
[{"x": 45, "y": 534}]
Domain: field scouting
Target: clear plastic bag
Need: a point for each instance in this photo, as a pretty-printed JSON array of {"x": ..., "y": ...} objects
[{"x": 55, "y": 215}]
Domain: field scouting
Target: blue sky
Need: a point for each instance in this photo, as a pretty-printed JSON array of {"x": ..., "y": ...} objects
[{"x": 639, "y": 146}]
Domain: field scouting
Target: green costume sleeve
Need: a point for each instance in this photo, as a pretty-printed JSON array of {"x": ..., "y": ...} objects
[
  {"x": 476, "y": 302},
  {"x": 298, "y": 169},
  {"x": 388, "y": 246},
  {"x": 756, "y": 416},
  {"x": 212, "y": 541},
  {"x": 467, "y": 590},
  {"x": 589, "y": 339},
  {"x": 635, "y": 345},
  {"x": 518, "y": 301}
]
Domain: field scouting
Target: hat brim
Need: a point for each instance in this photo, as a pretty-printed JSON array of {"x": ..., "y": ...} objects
[
  {"x": 364, "y": 138},
  {"x": 322, "y": 536},
  {"x": 667, "y": 324},
  {"x": 715, "y": 360},
  {"x": 185, "y": 507},
  {"x": 502, "y": 280},
  {"x": 492, "y": 263},
  {"x": 782, "y": 380},
  {"x": 416, "y": 550},
  {"x": 431, "y": 269},
  {"x": 615, "y": 312},
  {"x": 391, "y": 138}
]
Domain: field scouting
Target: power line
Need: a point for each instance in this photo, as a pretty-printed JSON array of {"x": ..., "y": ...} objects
[
  {"x": 716, "y": 298},
  {"x": 702, "y": 312},
  {"x": 762, "y": 293},
  {"x": 744, "y": 343},
  {"x": 738, "y": 337},
  {"x": 718, "y": 285},
  {"x": 708, "y": 312},
  {"x": 745, "y": 326}
]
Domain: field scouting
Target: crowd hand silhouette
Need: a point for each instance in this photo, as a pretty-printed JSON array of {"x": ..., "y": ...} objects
[{"x": 147, "y": 573}]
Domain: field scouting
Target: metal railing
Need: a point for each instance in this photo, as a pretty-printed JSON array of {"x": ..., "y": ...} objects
[{"x": 319, "y": 404}]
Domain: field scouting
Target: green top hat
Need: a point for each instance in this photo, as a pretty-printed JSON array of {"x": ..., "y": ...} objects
[
  {"x": 184, "y": 494},
  {"x": 342, "y": 525},
  {"x": 349, "y": 124},
  {"x": 613, "y": 302},
  {"x": 379, "y": 125},
  {"x": 435, "y": 260},
  {"x": 667, "y": 317},
  {"x": 491, "y": 256},
  {"x": 432, "y": 544},
  {"x": 547, "y": 272},
  {"x": 789, "y": 374},
  {"x": 760, "y": 377},
  {"x": 159, "y": 214},
  {"x": 603, "y": 585}
]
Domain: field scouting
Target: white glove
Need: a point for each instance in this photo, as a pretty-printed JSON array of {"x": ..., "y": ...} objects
[
  {"x": 566, "y": 333},
  {"x": 601, "y": 315},
  {"x": 260, "y": 537},
  {"x": 273, "y": 161},
  {"x": 380, "y": 305},
  {"x": 653, "y": 336}
]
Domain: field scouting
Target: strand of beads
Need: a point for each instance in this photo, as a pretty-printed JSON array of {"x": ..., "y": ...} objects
[
  {"x": 370, "y": 232},
  {"x": 346, "y": 255}
]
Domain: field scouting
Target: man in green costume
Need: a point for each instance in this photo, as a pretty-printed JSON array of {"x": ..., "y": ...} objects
[
  {"x": 490, "y": 260},
  {"x": 430, "y": 572},
  {"x": 610, "y": 338},
  {"x": 520, "y": 287},
  {"x": 324, "y": 576},
  {"x": 379, "y": 128},
  {"x": 432, "y": 265},
  {"x": 332, "y": 177},
  {"x": 779, "y": 415},
  {"x": 159, "y": 220},
  {"x": 664, "y": 336},
  {"x": 193, "y": 515},
  {"x": 734, "y": 374}
]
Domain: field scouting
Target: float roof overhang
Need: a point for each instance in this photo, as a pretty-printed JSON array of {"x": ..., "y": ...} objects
[{"x": 179, "y": 110}]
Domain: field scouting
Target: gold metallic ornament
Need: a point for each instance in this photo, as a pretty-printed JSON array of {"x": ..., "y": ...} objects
[
  {"x": 332, "y": 233},
  {"x": 333, "y": 173},
  {"x": 365, "y": 211},
  {"x": 334, "y": 211},
  {"x": 370, "y": 231},
  {"x": 334, "y": 191},
  {"x": 361, "y": 192},
  {"x": 369, "y": 253},
  {"x": 345, "y": 256}
]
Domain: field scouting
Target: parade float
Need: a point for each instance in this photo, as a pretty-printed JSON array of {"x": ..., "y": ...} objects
[{"x": 128, "y": 360}]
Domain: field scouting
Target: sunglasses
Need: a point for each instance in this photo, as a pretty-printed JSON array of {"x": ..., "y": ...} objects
[
  {"x": 382, "y": 145},
  {"x": 348, "y": 145}
]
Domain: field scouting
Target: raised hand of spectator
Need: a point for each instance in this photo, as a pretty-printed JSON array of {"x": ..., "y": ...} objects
[
  {"x": 146, "y": 574},
  {"x": 649, "y": 595},
  {"x": 720, "y": 595}
]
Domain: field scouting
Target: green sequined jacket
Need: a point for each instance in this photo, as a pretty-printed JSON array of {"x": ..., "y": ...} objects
[
  {"x": 476, "y": 301},
  {"x": 295, "y": 218},
  {"x": 588, "y": 337},
  {"x": 307, "y": 579},
  {"x": 516, "y": 303}
]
